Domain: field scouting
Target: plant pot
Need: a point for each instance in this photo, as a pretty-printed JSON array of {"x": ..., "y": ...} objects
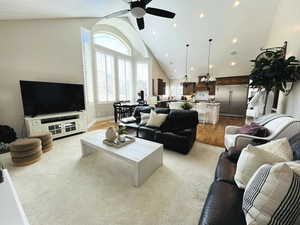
[{"x": 121, "y": 138}]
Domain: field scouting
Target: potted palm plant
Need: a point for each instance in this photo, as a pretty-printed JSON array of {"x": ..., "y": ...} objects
[{"x": 272, "y": 70}]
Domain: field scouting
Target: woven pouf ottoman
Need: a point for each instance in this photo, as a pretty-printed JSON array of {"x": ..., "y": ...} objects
[
  {"x": 47, "y": 141},
  {"x": 26, "y": 151}
]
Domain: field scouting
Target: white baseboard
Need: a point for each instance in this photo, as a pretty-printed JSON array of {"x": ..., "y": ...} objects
[{"x": 100, "y": 119}]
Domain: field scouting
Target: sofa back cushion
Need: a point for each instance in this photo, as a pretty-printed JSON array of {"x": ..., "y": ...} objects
[
  {"x": 180, "y": 120},
  {"x": 278, "y": 125}
]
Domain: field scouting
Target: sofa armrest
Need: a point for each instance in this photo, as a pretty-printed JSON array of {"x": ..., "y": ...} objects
[{"x": 231, "y": 129}]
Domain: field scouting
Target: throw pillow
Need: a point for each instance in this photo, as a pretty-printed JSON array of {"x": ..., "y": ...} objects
[
  {"x": 156, "y": 120},
  {"x": 280, "y": 147},
  {"x": 254, "y": 129},
  {"x": 144, "y": 118},
  {"x": 272, "y": 196},
  {"x": 250, "y": 160}
]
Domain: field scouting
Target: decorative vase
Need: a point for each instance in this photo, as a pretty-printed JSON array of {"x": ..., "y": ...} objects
[
  {"x": 121, "y": 138},
  {"x": 111, "y": 134}
]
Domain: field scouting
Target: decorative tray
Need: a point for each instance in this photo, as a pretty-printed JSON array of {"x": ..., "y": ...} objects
[{"x": 119, "y": 144}]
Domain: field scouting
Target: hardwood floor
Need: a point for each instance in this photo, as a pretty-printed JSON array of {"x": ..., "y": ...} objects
[
  {"x": 206, "y": 133},
  {"x": 102, "y": 125},
  {"x": 214, "y": 134}
]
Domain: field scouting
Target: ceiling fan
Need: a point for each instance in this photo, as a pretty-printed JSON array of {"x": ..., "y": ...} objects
[{"x": 138, "y": 10}]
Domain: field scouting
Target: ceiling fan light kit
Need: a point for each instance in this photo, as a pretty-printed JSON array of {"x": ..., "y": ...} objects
[{"x": 138, "y": 10}]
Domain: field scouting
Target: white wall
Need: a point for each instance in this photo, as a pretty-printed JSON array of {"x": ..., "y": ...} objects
[
  {"x": 286, "y": 27},
  {"x": 158, "y": 73},
  {"x": 41, "y": 50}
]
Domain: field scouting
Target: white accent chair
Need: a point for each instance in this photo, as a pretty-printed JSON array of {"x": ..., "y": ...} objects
[{"x": 279, "y": 128}]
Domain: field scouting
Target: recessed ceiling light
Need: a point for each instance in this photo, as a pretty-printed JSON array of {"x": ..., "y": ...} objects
[
  {"x": 236, "y": 3},
  {"x": 234, "y": 40},
  {"x": 211, "y": 66},
  {"x": 202, "y": 15},
  {"x": 174, "y": 24},
  {"x": 192, "y": 68},
  {"x": 233, "y": 63}
]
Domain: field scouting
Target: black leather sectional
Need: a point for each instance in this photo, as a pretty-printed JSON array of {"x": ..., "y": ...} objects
[
  {"x": 177, "y": 133},
  {"x": 223, "y": 204}
]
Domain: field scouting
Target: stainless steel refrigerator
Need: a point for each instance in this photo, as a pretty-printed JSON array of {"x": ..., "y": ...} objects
[{"x": 233, "y": 99}]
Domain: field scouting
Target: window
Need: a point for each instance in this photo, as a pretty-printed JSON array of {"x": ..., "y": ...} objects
[
  {"x": 105, "y": 78},
  {"x": 125, "y": 79},
  {"x": 87, "y": 64},
  {"x": 142, "y": 78},
  {"x": 112, "y": 42}
]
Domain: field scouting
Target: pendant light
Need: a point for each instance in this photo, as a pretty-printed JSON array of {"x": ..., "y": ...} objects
[
  {"x": 186, "y": 62},
  {"x": 208, "y": 78}
]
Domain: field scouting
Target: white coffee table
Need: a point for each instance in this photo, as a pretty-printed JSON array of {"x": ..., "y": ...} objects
[{"x": 145, "y": 156}]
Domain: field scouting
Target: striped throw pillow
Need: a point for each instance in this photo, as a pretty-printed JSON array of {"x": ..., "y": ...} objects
[{"x": 272, "y": 196}]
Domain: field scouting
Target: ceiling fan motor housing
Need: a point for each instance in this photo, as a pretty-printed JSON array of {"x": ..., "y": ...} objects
[{"x": 138, "y": 9}]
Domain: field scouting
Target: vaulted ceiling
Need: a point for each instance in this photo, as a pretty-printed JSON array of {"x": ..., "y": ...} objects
[{"x": 239, "y": 31}]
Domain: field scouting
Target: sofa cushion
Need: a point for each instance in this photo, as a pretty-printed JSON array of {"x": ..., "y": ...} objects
[
  {"x": 180, "y": 120},
  {"x": 223, "y": 205},
  {"x": 148, "y": 133},
  {"x": 272, "y": 196},
  {"x": 156, "y": 120},
  {"x": 137, "y": 112},
  {"x": 172, "y": 141},
  {"x": 279, "y": 147},
  {"x": 185, "y": 132},
  {"x": 250, "y": 160},
  {"x": 144, "y": 118}
]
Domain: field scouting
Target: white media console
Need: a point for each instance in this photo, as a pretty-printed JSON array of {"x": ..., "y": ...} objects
[{"x": 60, "y": 125}]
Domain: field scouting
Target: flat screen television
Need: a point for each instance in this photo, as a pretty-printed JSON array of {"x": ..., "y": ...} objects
[{"x": 47, "y": 98}]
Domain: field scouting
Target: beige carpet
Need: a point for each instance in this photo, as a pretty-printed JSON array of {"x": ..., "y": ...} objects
[{"x": 65, "y": 189}]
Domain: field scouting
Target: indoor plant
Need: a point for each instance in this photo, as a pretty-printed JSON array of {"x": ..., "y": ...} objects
[
  {"x": 272, "y": 70},
  {"x": 186, "y": 106},
  {"x": 121, "y": 130}
]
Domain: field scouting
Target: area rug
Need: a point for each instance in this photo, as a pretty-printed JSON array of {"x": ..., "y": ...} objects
[{"x": 66, "y": 189}]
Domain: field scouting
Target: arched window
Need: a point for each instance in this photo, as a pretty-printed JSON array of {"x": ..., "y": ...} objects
[{"x": 112, "y": 42}]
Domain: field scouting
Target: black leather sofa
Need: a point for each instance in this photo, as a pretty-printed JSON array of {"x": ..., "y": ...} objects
[
  {"x": 177, "y": 133},
  {"x": 223, "y": 204}
]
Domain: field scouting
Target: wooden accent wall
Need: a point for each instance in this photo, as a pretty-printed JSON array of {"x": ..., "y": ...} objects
[
  {"x": 189, "y": 88},
  {"x": 203, "y": 87},
  {"x": 161, "y": 87},
  {"x": 233, "y": 80}
]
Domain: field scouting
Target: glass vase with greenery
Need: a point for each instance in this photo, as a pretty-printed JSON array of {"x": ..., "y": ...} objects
[
  {"x": 186, "y": 106},
  {"x": 272, "y": 71}
]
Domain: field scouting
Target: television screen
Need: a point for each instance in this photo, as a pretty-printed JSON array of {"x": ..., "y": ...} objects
[{"x": 46, "y": 98}]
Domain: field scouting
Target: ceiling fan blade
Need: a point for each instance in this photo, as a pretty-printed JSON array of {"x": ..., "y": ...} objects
[
  {"x": 116, "y": 14},
  {"x": 140, "y": 23},
  {"x": 146, "y": 2},
  {"x": 160, "y": 12}
]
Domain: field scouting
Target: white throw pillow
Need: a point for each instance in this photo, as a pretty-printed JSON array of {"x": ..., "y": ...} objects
[
  {"x": 144, "y": 118},
  {"x": 156, "y": 120},
  {"x": 272, "y": 196},
  {"x": 280, "y": 147},
  {"x": 250, "y": 160}
]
